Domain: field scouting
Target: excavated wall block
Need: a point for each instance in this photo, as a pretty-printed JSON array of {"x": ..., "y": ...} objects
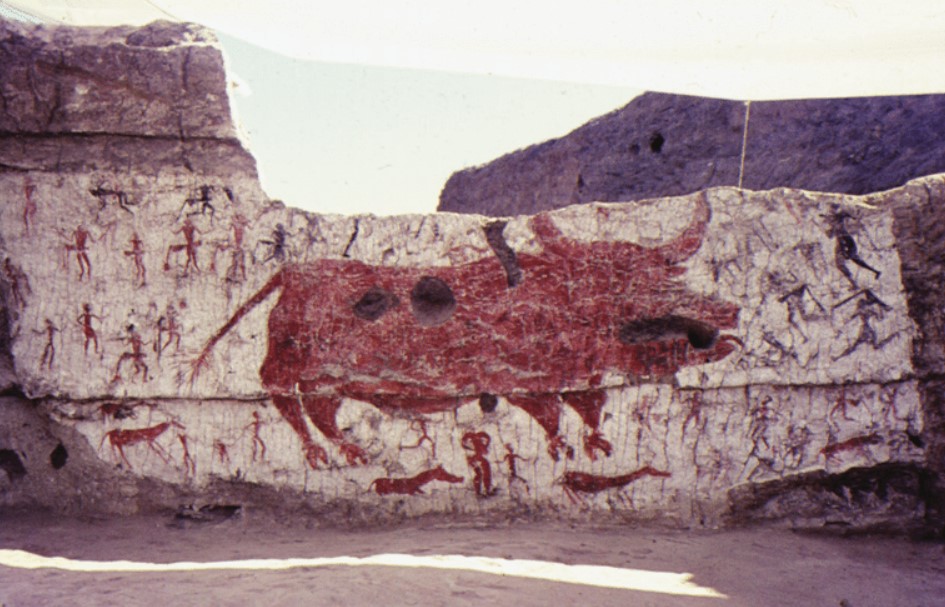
[{"x": 703, "y": 359}]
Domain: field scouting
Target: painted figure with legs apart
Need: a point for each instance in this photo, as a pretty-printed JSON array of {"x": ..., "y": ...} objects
[
  {"x": 510, "y": 460},
  {"x": 85, "y": 321},
  {"x": 79, "y": 245},
  {"x": 476, "y": 445},
  {"x": 168, "y": 326},
  {"x": 29, "y": 206},
  {"x": 49, "y": 351},
  {"x": 136, "y": 255},
  {"x": 421, "y": 340},
  {"x": 189, "y": 246},
  {"x": 135, "y": 355},
  {"x": 18, "y": 282}
]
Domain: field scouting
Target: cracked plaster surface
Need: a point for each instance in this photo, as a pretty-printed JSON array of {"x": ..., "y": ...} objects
[{"x": 648, "y": 359}]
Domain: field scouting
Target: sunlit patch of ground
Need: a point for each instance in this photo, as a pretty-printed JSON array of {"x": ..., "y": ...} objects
[
  {"x": 147, "y": 561},
  {"x": 590, "y": 575}
]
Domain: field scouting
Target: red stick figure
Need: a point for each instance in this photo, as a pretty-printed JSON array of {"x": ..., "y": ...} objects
[
  {"x": 478, "y": 444},
  {"x": 219, "y": 447},
  {"x": 49, "y": 352},
  {"x": 761, "y": 418},
  {"x": 237, "y": 270},
  {"x": 509, "y": 459},
  {"x": 137, "y": 256},
  {"x": 420, "y": 426},
  {"x": 641, "y": 413},
  {"x": 81, "y": 237},
  {"x": 135, "y": 355},
  {"x": 256, "y": 424},
  {"x": 190, "y": 466},
  {"x": 19, "y": 282},
  {"x": 119, "y": 439},
  {"x": 695, "y": 411},
  {"x": 168, "y": 325},
  {"x": 85, "y": 321},
  {"x": 190, "y": 232},
  {"x": 890, "y": 410},
  {"x": 842, "y": 404},
  {"x": 29, "y": 207}
]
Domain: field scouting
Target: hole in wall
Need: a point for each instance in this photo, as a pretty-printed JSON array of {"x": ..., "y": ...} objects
[
  {"x": 375, "y": 303},
  {"x": 656, "y": 142},
  {"x": 58, "y": 457},
  {"x": 915, "y": 439},
  {"x": 701, "y": 335},
  {"x": 488, "y": 402},
  {"x": 11, "y": 463},
  {"x": 432, "y": 301}
]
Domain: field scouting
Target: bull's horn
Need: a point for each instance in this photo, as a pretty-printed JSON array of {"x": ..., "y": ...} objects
[{"x": 689, "y": 241}]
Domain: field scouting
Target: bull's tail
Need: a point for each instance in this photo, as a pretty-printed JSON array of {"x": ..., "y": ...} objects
[{"x": 274, "y": 283}]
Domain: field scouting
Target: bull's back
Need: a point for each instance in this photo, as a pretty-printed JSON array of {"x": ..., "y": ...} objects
[{"x": 347, "y": 328}]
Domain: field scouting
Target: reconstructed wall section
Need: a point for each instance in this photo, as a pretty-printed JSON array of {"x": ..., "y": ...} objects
[
  {"x": 720, "y": 357},
  {"x": 668, "y": 145}
]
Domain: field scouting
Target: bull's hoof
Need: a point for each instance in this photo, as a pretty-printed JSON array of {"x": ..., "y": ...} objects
[
  {"x": 595, "y": 441},
  {"x": 315, "y": 454},
  {"x": 557, "y": 445},
  {"x": 354, "y": 454}
]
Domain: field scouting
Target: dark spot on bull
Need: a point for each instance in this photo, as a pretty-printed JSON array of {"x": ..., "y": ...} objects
[
  {"x": 432, "y": 301},
  {"x": 488, "y": 402},
  {"x": 58, "y": 457},
  {"x": 656, "y": 142},
  {"x": 700, "y": 335},
  {"x": 375, "y": 303},
  {"x": 11, "y": 463},
  {"x": 503, "y": 251}
]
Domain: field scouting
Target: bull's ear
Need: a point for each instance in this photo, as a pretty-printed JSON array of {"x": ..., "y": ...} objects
[{"x": 686, "y": 244}]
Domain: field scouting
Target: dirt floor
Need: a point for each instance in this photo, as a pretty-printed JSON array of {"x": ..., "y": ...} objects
[{"x": 245, "y": 561}]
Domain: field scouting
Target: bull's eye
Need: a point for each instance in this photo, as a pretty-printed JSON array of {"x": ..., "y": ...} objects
[
  {"x": 432, "y": 301},
  {"x": 700, "y": 335},
  {"x": 375, "y": 303}
]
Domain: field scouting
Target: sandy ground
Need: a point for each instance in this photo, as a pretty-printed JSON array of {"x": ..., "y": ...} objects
[{"x": 758, "y": 567}]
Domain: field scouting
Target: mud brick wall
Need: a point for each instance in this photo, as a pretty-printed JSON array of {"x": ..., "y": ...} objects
[{"x": 710, "y": 359}]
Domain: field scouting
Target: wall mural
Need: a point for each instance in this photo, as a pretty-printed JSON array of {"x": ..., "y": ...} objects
[
  {"x": 423, "y": 340},
  {"x": 641, "y": 357}
]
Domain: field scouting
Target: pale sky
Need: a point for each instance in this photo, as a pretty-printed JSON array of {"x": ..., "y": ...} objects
[{"x": 384, "y": 99}]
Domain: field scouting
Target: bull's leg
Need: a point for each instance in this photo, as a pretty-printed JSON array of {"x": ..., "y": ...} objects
[
  {"x": 589, "y": 406},
  {"x": 545, "y": 409},
  {"x": 289, "y": 407},
  {"x": 323, "y": 411}
]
